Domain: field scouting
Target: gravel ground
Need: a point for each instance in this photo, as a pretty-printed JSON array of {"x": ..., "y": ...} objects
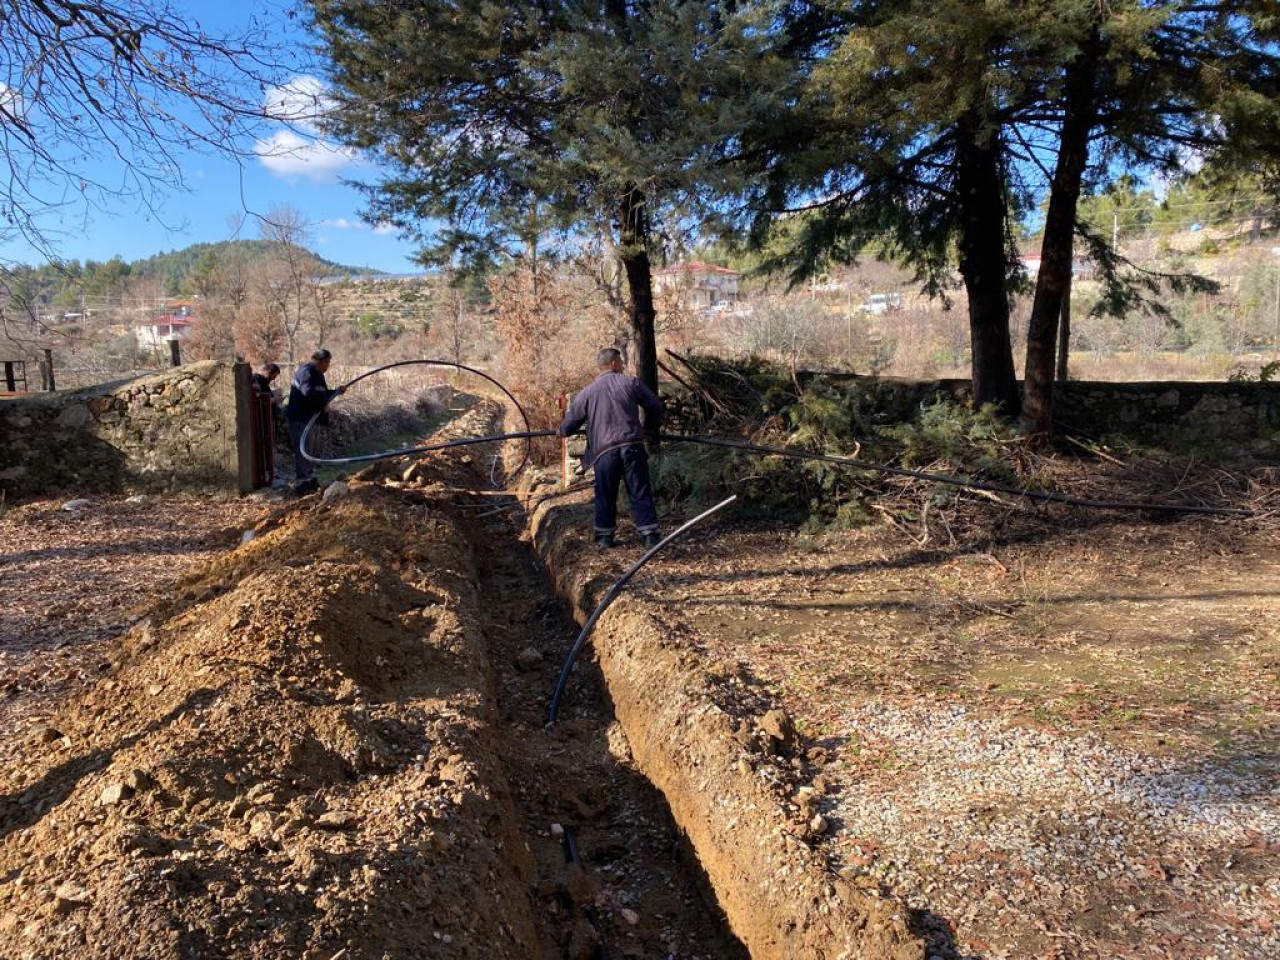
[
  {"x": 1059, "y": 741},
  {"x": 1108, "y": 851}
]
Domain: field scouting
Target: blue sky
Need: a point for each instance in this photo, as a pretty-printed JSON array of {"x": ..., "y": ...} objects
[{"x": 278, "y": 168}]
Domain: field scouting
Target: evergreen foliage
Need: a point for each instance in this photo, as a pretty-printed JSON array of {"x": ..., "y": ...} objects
[
  {"x": 932, "y": 127},
  {"x": 862, "y": 418},
  {"x": 504, "y": 123}
]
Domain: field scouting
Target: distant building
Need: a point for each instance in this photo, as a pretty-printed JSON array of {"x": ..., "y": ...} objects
[
  {"x": 352, "y": 278},
  {"x": 174, "y": 325},
  {"x": 696, "y": 284},
  {"x": 1081, "y": 267}
]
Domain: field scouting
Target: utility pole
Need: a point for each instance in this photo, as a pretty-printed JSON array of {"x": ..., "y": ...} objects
[{"x": 1275, "y": 337}]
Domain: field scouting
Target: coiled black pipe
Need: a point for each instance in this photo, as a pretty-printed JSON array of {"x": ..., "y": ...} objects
[
  {"x": 525, "y": 434},
  {"x": 612, "y": 595}
]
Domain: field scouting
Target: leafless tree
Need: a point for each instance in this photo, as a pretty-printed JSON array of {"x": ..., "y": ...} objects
[
  {"x": 455, "y": 324},
  {"x": 791, "y": 330},
  {"x": 290, "y": 278},
  {"x": 138, "y": 82}
]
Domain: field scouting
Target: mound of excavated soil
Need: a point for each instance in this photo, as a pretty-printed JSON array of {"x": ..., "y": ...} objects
[{"x": 295, "y": 759}]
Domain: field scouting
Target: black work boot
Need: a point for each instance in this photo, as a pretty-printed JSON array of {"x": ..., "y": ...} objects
[
  {"x": 604, "y": 541},
  {"x": 651, "y": 540}
]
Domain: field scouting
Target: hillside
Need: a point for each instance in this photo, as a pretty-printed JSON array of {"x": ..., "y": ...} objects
[
  {"x": 175, "y": 265},
  {"x": 51, "y": 288}
]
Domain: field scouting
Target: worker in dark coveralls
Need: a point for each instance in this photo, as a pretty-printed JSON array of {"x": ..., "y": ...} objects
[
  {"x": 262, "y": 381},
  {"x": 308, "y": 395},
  {"x": 611, "y": 407}
]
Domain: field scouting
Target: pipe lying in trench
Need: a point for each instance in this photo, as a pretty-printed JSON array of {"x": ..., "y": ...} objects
[{"x": 612, "y": 595}]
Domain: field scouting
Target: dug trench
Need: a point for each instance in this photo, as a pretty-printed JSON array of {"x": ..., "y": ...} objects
[{"x": 329, "y": 743}]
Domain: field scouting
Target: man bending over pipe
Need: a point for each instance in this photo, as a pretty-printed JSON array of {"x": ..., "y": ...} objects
[
  {"x": 610, "y": 406},
  {"x": 308, "y": 395}
]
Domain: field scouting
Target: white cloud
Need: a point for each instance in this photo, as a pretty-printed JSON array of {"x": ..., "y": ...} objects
[
  {"x": 289, "y": 154},
  {"x": 342, "y": 223},
  {"x": 300, "y": 149},
  {"x": 384, "y": 229},
  {"x": 12, "y": 102},
  {"x": 1190, "y": 162},
  {"x": 302, "y": 102}
]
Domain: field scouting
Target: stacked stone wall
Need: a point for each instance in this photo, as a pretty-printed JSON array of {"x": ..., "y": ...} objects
[
  {"x": 174, "y": 430},
  {"x": 1241, "y": 419}
]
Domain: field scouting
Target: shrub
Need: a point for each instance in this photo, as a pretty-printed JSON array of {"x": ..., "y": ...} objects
[{"x": 866, "y": 417}]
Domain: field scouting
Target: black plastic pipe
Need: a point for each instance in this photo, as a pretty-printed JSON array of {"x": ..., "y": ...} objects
[
  {"x": 612, "y": 595},
  {"x": 728, "y": 443},
  {"x": 386, "y": 455}
]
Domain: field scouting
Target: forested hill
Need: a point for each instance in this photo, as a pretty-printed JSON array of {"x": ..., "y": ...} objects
[
  {"x": 176, "y": 266},
  {"x": 173, "y": 273}
]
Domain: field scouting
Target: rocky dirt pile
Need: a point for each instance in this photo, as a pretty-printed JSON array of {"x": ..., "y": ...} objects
[
  {"x": 294, "y": 758},
  {"x": 309, "y": 749}
]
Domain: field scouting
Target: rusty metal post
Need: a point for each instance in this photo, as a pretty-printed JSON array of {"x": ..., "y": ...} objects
[
  {"x": 242, "y": 399},
  {"x": 50, "y": 385},
  {"x": 175, "y": 354},
  {"x": 10, "y": 378},
  {"x": 564, "y": 443}
]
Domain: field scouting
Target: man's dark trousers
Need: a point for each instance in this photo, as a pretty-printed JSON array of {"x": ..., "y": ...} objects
[
  {"x": 629, "y": 464},
  {"x": 303, "y": 469}
]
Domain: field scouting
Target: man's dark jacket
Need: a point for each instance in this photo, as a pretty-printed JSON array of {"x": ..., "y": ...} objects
[
  {"x": 610, "y": 407},
  {"x": 308, "y": 394}
]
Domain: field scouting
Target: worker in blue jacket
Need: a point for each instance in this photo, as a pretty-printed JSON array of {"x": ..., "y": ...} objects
[
  {"x": 610, "y": 407},
  {"x": 308, "y": 395}
]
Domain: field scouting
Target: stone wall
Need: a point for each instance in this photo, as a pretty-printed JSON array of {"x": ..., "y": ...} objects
[
  {"x": 176, "y": 429},
  {"x": 1232, "y": 418}
]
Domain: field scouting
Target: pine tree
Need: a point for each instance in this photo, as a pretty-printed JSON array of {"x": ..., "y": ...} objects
[
  {"x": 930, "y": 127},
  {"x": 609, "y": 115},
  {"x": 1147, "y": 85},
  {"x": 900, "y": 137}
]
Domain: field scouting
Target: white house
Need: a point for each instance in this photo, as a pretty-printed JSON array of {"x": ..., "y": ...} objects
[
  {"x": 1081, "y": 266},
  {"x": 174, "y": 325},
  {"x": 697, "y": 285}
]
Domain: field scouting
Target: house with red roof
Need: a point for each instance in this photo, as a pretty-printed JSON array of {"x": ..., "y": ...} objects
[{"x": 173, "y": 325}]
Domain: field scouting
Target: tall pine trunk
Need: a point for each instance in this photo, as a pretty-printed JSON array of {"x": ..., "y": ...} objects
[
  {"x": 980, "y": 184},
  {"x": 633, "y": 251},
  {"x": 1053, "y": 283}
]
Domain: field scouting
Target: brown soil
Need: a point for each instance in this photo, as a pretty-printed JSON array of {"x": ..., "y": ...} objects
[
  {"x": 72, "y": 580},
  {"x": 297, "y": 760},
  {"x": 309, "y": 748},
  {"x": 638, "y": 888},
  {"x": 731, "y": 770}
]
